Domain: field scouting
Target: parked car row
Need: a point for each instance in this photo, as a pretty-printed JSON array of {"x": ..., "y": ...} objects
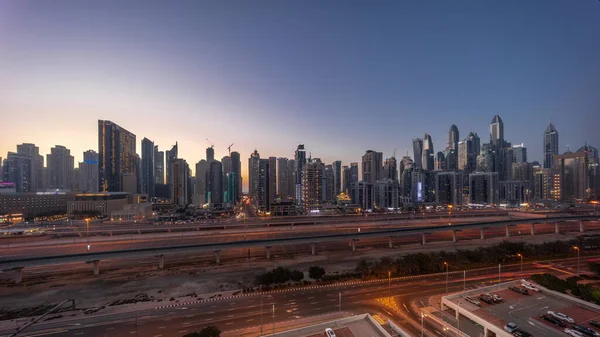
[
  {"x": 515, "y": 330},
  {"x": 490, "y": 298},
  {"x": 519, "y": 290},
  {"x": 576, "y": 330}
]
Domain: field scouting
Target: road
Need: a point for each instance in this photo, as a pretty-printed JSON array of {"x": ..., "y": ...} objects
[{"x": 244, "y": 312}]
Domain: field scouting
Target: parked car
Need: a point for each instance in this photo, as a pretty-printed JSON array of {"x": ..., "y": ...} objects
[
  {"x": 521, "y": 333},
  {"x": 510, "y": 327},
  {"x": 553, "y": 320},
  {"x": 573, "y": 333},
  {"x": 486, "y": 298},
  {"x": 530, "y": 287},
  {"x": 586, "y": 330},
  {"x": 497, "y": 298},
  {"x": 561, "y": 316},
  {"x": 594, "y": 323},
  {"x": 472, "y": 300},
  {"x": 329, "y": 332},
  {"x": 519, "y": 290}
]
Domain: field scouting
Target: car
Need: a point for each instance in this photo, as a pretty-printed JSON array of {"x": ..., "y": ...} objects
[
  {"x": 553, "y": 320},
  {"x": 519, "y": 290},
  {"x": 573, "y": 333},
  {"x": 510, "y": 327},
  {"x": 472, "y": 300},
  {"x": 530, "y": 287},
  {"x": 329, "y": 332},
  {"x": 497, "y": 298},
  {"x": 586, "y": 330},
  {"x": 594, "y": 323},
  {"x": 521, "y": 333},
  {"x": 561, "y": 316},
  {"x": 486, "y": 298}
]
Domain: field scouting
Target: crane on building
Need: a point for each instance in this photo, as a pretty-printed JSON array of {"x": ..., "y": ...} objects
[
  {"x": 211, "y": 144},
  {"x": 229, "y": 148}
]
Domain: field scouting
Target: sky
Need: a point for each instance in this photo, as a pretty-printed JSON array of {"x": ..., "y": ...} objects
[{"x": 341, "y": 77}]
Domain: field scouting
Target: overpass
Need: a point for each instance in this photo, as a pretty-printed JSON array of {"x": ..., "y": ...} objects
[{"x": 160, "y": 252}]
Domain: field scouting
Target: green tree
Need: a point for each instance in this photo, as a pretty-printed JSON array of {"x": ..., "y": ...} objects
[
  {"x": 296, "y": 275},
  {"x": 316, "y": 272},
  {"x": 209, "y": 331}
]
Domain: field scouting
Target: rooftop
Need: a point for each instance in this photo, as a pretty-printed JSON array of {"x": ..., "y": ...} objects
[{"x": 358, "y": 325}]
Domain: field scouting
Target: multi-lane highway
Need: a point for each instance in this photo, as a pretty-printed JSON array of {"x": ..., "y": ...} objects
[{"x": 290, "y": 305}]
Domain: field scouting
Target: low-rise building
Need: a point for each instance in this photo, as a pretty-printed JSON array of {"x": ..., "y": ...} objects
[
  {"x": 33, "y": 204},
  {"x": 103, "y": 203}
]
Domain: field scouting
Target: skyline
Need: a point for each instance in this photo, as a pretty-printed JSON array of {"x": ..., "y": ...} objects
[{"x": 272, "y": 75}]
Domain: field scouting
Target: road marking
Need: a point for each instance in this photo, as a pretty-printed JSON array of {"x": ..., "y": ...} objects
[
  {"x": 189, "y": 316},
  {"x": 229, "y": 316},
  {"x": 250, "y": 320},
  {"x": 162, "y": 327},
  {"x": 313, "y": 303},
  {"x": 212, "y": 312},
  {"x": 132, "y": 332},
  {"x": 182, "y": 331},
  {"x": 228, "y": 323}
]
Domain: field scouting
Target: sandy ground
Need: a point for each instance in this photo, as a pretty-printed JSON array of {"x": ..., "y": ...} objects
[{"x": 178, "y": 282}]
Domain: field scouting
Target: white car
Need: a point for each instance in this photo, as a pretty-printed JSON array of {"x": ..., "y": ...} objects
[
  {"x": 561, "y": 316},
  {"x": 573, "y": 333},
  {"x": 510, "y": 327},
  {"x": 472, "y": 300},
  {"x": 530, "y": 286},
  {"x": 329, "y": 332}
]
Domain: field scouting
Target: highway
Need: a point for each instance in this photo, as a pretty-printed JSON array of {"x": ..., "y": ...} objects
[{"x": 244, "y": 312}]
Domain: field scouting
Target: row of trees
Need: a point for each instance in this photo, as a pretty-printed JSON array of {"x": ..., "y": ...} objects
[
  {"x": 504, "y": 252},
  {"x": 282, "y": 275},
  {"x": 209, "y": 331}
]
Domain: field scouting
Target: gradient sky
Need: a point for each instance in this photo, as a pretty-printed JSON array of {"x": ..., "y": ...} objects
[{"x": 340, "y": 76}]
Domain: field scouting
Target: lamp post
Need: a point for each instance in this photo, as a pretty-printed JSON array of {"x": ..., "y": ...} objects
[
  {"x": 422, "y": 326},
  {"x": 273, "y": 328},
  {"x": 389, "y": 283},
  {"x": 577, "y": 249},
  {"x": 499, "y": 273},
  {"x": 446, "y": 264},
  {"x": 521, "y": 256},
  {"x": 595, "y": 203},
  {"x": 261, "y": 318}
]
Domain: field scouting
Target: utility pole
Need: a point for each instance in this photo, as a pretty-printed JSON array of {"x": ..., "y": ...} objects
[
  {"x": 499, "y": 273},
  {"x": 389, "y": 283},
  {"x": 340, "y": 303},
  {"x": 464, "y": 280},
  {"x": 261, "y": 312},
  {"x": 273, "y": 319},
  {"x": 447, "y": 275}
]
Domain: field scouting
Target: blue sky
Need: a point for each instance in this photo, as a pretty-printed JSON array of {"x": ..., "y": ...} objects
[{"x": 340, "y": 76}]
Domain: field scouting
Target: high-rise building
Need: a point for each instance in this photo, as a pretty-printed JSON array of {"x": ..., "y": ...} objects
[
  {"x": 300, "y": 160},
  {"x": 328, "y": 184},
  {"x": 272, "y": 179},
  {"x": 422, "y": 185},
  {"x": 550, "y": 145},
  {"x": 405, "y": 163},
  {"x": 486, "y": 158},
  {"x": 88, "y": 172},
  {"x": 283, "y": 177},
  {"x": 361, "y": 193},
  {"x": 453, "y": 138},
  {"x": 519, "y": 153},
  {"x": 515, "y": 192},
  {"x": 253, "y": 176},
  {"x": 226, "y": 167},
  {"x": 428, "y": 154},
  {"x": 292, "y": 178},
  {"x": 386, "y": 194},
  {"x": 116, "y": 152},
  {"x": 37, "y": 165},
  {"x": 236, "y": 169},
  {"x": 440, "y": 161},
  {"x": 180, "y": 173},
  {"x": 263, "y": 192},
  {"x": 390, "y": 170},
  {"x": 148, "y": 167},
  {"x": 507, "y": 161},
  {"x": 468, "y": 150},
  {"x": 201, "y": 172},
  {"x": 571, "y": 169},
  {"x": 210, "y": 154},
  {"x": 372, "y": 165},
  {"x": 214, "y": 182},
  {"x": 418, "y": 152},
  {"x": 346, "y": 180},
  {"x": 159, "y": 166},
  {"x": 497, "y": 132},
  {"x": 171, "y": 155},
  {"x": 312, "y": 186},
  {"x": 593, "y": 170},
  {"x": 484, "y": 188},
  {"x": 353, "y": 173},
  {"x": 543, "y": 183},
  {"x": 18, "y": 171},
  {"x": 449, "y": 188},
  {"x": 337, "y": 177},
  {"x": 522, "y": 171},
  {"x": 60, "y": 165}
]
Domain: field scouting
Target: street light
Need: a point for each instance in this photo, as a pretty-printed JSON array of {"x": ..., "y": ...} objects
[
  {"x": 446, "y": 264},
  {"x": 577, "y": 249},
  {"x": 422, "y": 327},
  {"x": 595, "y": 203},
  {"x": 521, "y": 256},
  {"x": 389, "y": 283}
]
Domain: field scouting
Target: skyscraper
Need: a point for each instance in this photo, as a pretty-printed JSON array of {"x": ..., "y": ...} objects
[
  {"x": 210, "y": 154},
  {"x": 497, "y": 132},
  {"x": 159, "y": 166},
  {"x": 236, "y": 170},
  {"x": 440, "y": 161},
  {"x": 468, "y": 150},
  {"x": 214, "y": 182},
  {"x": 148, "y": 167},
  {"x": 201, "y": 172},
  {"x": 484, "y": 188},
  {"x": 418, "y": 152},
  {"x": 60, "y": 165},
  {"x": 88, "y": 172},
  {"x": 372, "y": 165},
  {"x": 253, "y": 176},
  {"x": 272, "y": 178},
  {"x": 571, "y": 169},
  {"x": 18, "y": 171},
  {"x": 300, "y": 160},
  {"x": 428, "y": 160},
  {"x": 37, "y": 164},
  {"x": 283, "y": 177},
  {"x": 448, "y": 188},
  {"x": 405, "y": 163},
  {"x": 328, "y": 184},
  {"x": 550, "y": 145},
  {"x": 519, "y": 153},
  {"x": 390, "y": 170},
  {"x": 292, "y": 178},
  {"x": 353, "y": 173},
  {"x": 116, "y": 151},
  {"x": 337, "y": 177},
  {"x": 171, "y": 155},
  {"x": 453, "y": 138},
  {"x": 312, "y": 186},
  {"x": 263, "y": 193},
  {"x": 179, "y": 178},
  {"x": 345, "y": 179}
]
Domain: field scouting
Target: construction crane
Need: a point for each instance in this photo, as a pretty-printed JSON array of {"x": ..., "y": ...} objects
[
  {"x": 211, "y": 144},
  {"x": 229, "y": 148}
]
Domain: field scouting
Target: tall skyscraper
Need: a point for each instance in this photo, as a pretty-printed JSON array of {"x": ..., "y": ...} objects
[
  {"x": 236, "y": 170},
  {"x": 283, "y": 177},
  {"x": 449, "y": 188},
  {"x": 312, "y": 186},
  {"x": 300, "y": 160},
  {"x": 263, "y": 193},
  {"x": 440, "y": 161},
  {"x": 171, "y": 155},
  {"x": 272, "y": 178},
  {"x": 18, "y": 171},
  {"x": 390, "y": 170},
  {"x": 116, "y": 151},
  {"x": 571, "y": 169},
  {"x": 201, "y": 172},
  {"x": 486, "y": 159},
  {"x": 451, "y": 153},
  {"x": 353, "y": 173},
  {"x": 37, "y": 164},
  {"x": 210, "y": 154},
  {"x": 328, "y": 184},
  {"x": 386, "y": 192},
  {"x": 550, "y": 145},
  {"x": 253, "y": 176},
  {"x": 468, "y": 150},
  {"x": 292, "y": 178},
  {"x": 214, "y": 182},
  {"x": 60, "y": 165},
  {"x": 337, "y": 177},
  {"x": 88, "y": 172},
  {"x": 453, "y": 138},
  {"x": 372, "y": 166},
  {"x": 159, "y": 166},
  {"x": 405, "y": 163},
  {"x": 497, "y": 132},
  {"x": 346, "y": 180},
  {"x": 484, "y": 188},
  {"x": 418, "y": 152},
  {"x": 180, "y": 186},
  {"x": 519, "y": 153},
  {"x": 428, "y": 160},
  {"x": 148, "y": 167}
]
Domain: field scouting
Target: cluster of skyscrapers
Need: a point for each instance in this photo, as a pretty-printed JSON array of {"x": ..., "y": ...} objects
[{"x": 465, "y": 171}]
